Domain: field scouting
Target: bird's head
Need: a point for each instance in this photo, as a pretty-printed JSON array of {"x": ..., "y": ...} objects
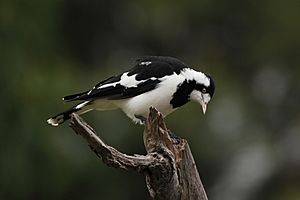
[{"x": 204, "y": 90}]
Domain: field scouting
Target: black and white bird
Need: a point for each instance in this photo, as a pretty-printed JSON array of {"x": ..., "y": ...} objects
[{"x": 165, "y": 83}]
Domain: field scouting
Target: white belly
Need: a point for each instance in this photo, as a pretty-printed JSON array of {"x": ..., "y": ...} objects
[{"x": 158, "y": 98}]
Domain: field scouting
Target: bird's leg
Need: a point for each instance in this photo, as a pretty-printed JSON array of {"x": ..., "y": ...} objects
[{"x": 141, "y": 118}]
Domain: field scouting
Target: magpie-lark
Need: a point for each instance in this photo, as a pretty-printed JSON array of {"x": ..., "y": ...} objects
[{"x": 165, "y": 83}]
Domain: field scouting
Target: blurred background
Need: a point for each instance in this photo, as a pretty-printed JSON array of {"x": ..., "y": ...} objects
[{"x": 246, "y": 147}]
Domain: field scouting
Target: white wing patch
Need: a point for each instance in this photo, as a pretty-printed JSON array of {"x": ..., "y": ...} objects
[
  {"x": 126, "y": 81},
  {"x": 145, "y": 63},
  {"x": 129, "y": 81}
]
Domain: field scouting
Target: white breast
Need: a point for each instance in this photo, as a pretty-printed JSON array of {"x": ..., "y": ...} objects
[{"x": 158, "y": 98}]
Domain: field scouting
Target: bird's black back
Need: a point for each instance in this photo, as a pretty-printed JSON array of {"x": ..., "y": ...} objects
[
  {"x": 160, "y": 66},
  {"x": 147, "y": 68}
]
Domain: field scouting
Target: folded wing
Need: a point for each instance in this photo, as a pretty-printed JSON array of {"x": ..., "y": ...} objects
[{"x": 143, "y": 77}]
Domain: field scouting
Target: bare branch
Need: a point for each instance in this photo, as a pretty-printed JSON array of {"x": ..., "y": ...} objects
[
  {"x": 109, "y": 155},
  {"x": 169, "y": 167}
]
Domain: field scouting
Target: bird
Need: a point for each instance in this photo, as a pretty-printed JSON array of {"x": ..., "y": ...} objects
[{"x": 163, "y": 82}]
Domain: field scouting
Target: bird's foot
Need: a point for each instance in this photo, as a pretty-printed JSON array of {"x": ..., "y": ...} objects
[
  {"x": 176, "y": 139},
  {"x": 140, "y": 119}
]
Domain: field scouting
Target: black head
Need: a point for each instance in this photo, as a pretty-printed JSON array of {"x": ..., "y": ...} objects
[{"x": 210, "y": 89}]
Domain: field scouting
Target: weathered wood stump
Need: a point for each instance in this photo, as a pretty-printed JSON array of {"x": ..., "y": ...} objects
[{"x": 169, "y": 166}]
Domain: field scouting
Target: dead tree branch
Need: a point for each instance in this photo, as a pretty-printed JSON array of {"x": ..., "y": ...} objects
[{"x": 169, "y": 167}]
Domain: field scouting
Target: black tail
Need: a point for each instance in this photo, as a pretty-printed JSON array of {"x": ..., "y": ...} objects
[
  {"x": 62, "y": 117},
  {"x": 74, "y": 97}
]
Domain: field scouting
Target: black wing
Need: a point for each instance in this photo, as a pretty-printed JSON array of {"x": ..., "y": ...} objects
[
  {"x": 158, "y": 67},
  {"x": 121, "y": 92},
  {"x": 83, "y": 95},
  {"x": 148, "y": 70},
  {"x": 115, "y": 92}
]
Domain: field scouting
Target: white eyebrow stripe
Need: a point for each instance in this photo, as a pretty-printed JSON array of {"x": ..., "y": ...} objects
[{"x": 200, "y": 77}]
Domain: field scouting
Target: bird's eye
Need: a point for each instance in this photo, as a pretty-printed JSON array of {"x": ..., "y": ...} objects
[{"x": 203, "y": 90}]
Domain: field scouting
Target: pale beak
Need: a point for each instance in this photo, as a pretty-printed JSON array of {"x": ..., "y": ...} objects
[
  {"x": 203, "y": 103},
  {"x": 204, "y": 106},
  {"x": 202, "y": 99}
]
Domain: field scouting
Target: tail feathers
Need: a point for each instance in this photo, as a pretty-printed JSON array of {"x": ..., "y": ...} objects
[
  {"x": 62, "y": 117},
  {"x": 74, "y": 97}
]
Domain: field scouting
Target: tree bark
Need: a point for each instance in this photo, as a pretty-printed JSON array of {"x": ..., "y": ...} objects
[{"x": 169, "y": 166}]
